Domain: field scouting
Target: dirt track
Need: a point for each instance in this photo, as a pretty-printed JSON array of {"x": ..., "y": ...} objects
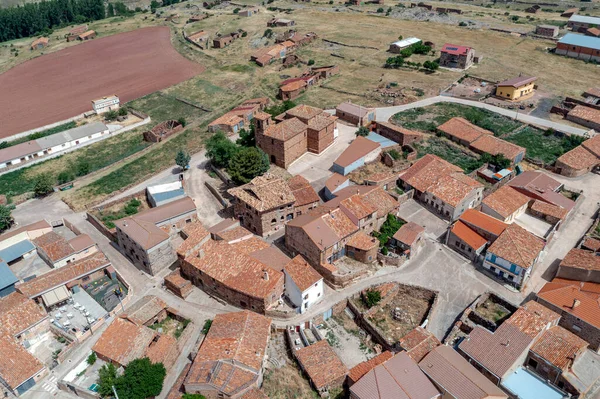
[{"x": 61, "y": 85}]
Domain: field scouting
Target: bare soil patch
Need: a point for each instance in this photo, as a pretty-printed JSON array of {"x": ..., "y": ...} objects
[{"x": 61, "y": 85}]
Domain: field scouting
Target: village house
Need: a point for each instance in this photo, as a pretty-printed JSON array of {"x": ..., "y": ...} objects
[
  {"x": 397, "y": 133},
  {"x": 145, "y": 238},
  {"x": 518, "y": 88},
  {"x": 231, "y": 359},
  {"x": 240, "y": 117},
  {"x": 303, "y": 284},
  {"x": 297, "y": 131},
  {"x": 462, "y": 131},
  {"x": 418, "y": 343},
  {"x": 248, "y": 12},
  {"x": 222, "y": 41},
  {"x": 568, "y": 13},
  {"x": 129, "y": 337},
  {"x": 409, "y": 238},
  {"x": 17, "y": 244},
  {"x": 359, "y": 153},
  {"x": 494, "y": 146},
  {"x": 355, "y": 114},
  {"x": 580, "y": 23},
  {"x": 577, "y": 303},
  {"x": 277, "y": 22},
  {"x": 75, "y": 32},
  {"x": 547, "y": 30},
  {"x": 454, "y": 377},
  {"x": 540, "y": 186},
  {"x": 562, "y": 357},
  {"x": 305, "y": 195},
  {"x": 579, "y": 46},
  {"x": 453, "y": 56},
  {"x": 400, "y": 375},
  {"x": 442, "y": 187},
  {"x": 39, "y": 43},
  {"x": 361, "y": 369},
  {"x": 335, "y": 183},
  {"x": 505, "y": 204},
  {"x": 292, "y": 90},
  {"x": 581, "y": 265},
  {"x": 264, "y": 205},
  {"x": 324, "y": 368},
  {"x": 57, "y": 252},
  {"x": 488, "y": 352},
  {"x": 325, "y": 72},
  {"x": 585, "y": 116},
  {"x": 19, "y": 369},
  {"x": 513, "y": 255},
  {"x": 472, "y": 233},
  {"x": 266, "y": 55}
]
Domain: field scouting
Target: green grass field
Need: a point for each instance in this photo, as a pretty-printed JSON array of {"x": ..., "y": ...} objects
[
  {"x": 542, "y": 147},
  {"x": 448, "y": 151}
]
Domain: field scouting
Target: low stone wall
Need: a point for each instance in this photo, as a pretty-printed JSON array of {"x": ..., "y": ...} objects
[
  {"x": 217, "y": 195},
  {"x": 97, "y": 223},
  {"x": 280, "y": 314},
  {"x": 390, "y": 260}
]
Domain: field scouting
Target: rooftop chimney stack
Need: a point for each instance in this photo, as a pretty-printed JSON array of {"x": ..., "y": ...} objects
[
  {"x": 576, "y": 302},
  {"x": 265, "y": 275}
]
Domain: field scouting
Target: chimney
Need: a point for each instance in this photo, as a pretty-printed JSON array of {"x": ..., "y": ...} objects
[
  {"x": 201, "y": 253},
  {"x": 265, "y": 275},
  {"x": 576, "y": 302}
]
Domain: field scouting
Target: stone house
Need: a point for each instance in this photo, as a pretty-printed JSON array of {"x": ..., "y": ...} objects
[
  {"x": 585, "y": 116},
  {"x": 473, "y": 232},
  {"x": 442, "y": 187},
  {"x": 145, "y": 238},
  {"x": 580, "y": 265},
  {"x": 580, "y": 160},
  {"x": 305, "y": 195},
  {"x": 355, "y": 114},
  {"x": 298, "y": 130},
  {"x": 454, "y": 56},
  {"x": 397, "y": 133},
  {"x": 324, "y": 368},
  {"x": 505, "y": 204},
  {"x": 409, "y": 237},
  {"x": 303, "y": 284},
  {"x": 547, "y": 30}
]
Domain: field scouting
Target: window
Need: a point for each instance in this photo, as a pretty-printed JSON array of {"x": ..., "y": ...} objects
[
  {"x": 306, "y": 296},
  {"x": 188, "y": 220},
  {"x": 532, "y": 363},
  {"x": 576, "y": 328}
]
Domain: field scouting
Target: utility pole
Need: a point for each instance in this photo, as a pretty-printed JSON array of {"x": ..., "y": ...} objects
[{"x": 115, "y": 392}]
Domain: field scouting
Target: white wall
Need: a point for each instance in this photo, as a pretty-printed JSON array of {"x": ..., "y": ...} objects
[{"x": 303, "y": 300}]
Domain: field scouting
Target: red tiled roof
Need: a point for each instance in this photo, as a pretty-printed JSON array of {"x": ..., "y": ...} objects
[
  {"x": 581, "y": 259},
  {"x": 353, "y": 109},
  {"x": 304, "y": 111},
  {"x": 54, "y": 245},
  {"x": 286, "y": 129},
  {"x": 145, "y": 309},
  {"x": 124, "y": 341},
  {"x": 363, "y": 241},
  {"x": 547, "y": 209},
  {"x": 17, "y": 365},
  {"x": 517, "y": 246},
  {"x": 321, "y": 364},
  {"x": 454, "y": 49},
  {"x": 495, "y": 146},
  {"x": 593, "y": 145},
  {"x": 302, "y": 190},
  {"x": 469, "y": 236},
  {"x": 408, "y": 233},
  {"x": 585, "y": 113},
  {"x": 264, "y": 192},
  {"x": 18, "y": 313},
  {"x": 579, "y": 158},
  {"x": 418, "y": 343},
  {"x": 591, "y": 243},
  {"x": 254, "y": 393},
  {"x": 559, "y": 347},
  {"x": 359, "y": 148},
  {"x": 462, "y": 129},
  {"x": 303, "y": 275},
  {"x": 484, "y": 222},
  {"x": 506, "y": 201},
  {"x": 324, "y": 227},
  {"x": 231, "y": 356},
  {"x": 363, "y": 368},
  {"x": 563, "y": 294}
]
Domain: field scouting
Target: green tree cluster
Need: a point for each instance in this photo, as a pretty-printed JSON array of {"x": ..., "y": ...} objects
[
  {"x": 363, "y": 131},
  {"x": 141, "y": 379},
  {"x": 372, "y": 298},
  {"x": 388, "y": 229},
  {"x": 499, "y": 160},
  {"x": 40, "y": 17},
  {"x": 6, "y": 219},
  {"x": 431, "y": 65},
  {"x": 280, "y": 108}
]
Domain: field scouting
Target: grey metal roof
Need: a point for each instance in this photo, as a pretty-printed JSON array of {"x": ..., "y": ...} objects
[
  {"x": 585, "y": 19},
  {"x": 168, "y": 195},
  {"x": 15, "y": 251},
  {"x": 581, "y": 40},
  {"x": 71, "y": 134},
  {"x": 7, "y": 278}
]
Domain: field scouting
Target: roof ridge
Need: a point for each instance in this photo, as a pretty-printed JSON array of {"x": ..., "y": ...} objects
[
  {"x": 394, "y": 378},
  {"x": 516, "y": 246}
]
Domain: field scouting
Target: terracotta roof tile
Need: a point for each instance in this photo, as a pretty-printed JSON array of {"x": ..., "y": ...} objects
[
  {"x": 164, "y": 350},
  {"x": 254, "y": 393},
  {"x": 408, "y": 233},
  {"x": 264, "y": 192},
  {"x": 468, "y": 235},
  {"x": 303, "y": 275},
  {"x": 463, "y": 130},
  {"x": 517, "y": 246},
  {"x": 16, "y": 364},
  {"x": 585, "y": 113},
  {"x": 195, "y": 234},
  {"x": 231, "y": 356},
  {"x": 418, "y": 343},
  {"x": 54, "y": 245},
  {"x": 236, "y": 234},
  {"x": 475, "y": 218},
  {"x": 357, "y": 207},
  {"x": 506, "y": 201},
  {"x": 302, "y": 190},
  {"x": 321, "y": 121},
  {"x": 559, "y": 347},
  {"x": 272, "y": 257},
  {"x": 358, "y": 149},
  {"x": 19, "y": 313},
  {"x": 363, "y": 368},
  {"x": 579, "y": 158},
  {"x": 532, "y": 318},
  {"x": 593, "y": 145},
  {"x": 545, "y": 208},
  {"x": 145, "y": 309},
  {"x": 63, "y": 275},
  {"x": 363, "y": 241},
  {"x": 321, "y": 364},
  {"x": 124, "y": 341},
  {"x": 495, "y": 146},
  {"x": 286, "y": 129},
  {"x": 304, "y": 111},
  {"x": 230, "y": 119},
  {"x": 324, "y": 227},
  {"x": 565, "y": 293},
  {"x": 591, "y": 243},
  {"x": 581, "y": 259}
]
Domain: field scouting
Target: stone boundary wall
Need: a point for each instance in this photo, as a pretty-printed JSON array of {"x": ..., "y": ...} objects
[
  {"x": 97, "y": 223},
  {"x": 224, "y": 203}
]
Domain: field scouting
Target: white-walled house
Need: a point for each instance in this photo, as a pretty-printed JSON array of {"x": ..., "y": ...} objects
[
  {"x": 53, "y": 144},
  {"x": 105, "y": 104},
  {"x": 303, "y": 284}
]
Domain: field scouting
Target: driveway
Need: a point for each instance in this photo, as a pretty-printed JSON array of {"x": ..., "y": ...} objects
[{"x": 316, "y": 168}]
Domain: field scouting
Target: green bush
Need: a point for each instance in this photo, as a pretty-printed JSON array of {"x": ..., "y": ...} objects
[
  {"x": 380, "y": 10},
  {"x": 394, "y": 154},
  {"x": 110, "y": 115},
  {"x": 65, "y": 177},
  {"x": 388, "y": 229},
  {"x": 6, "y": 219},
  {"x": 91, "y": 359},
  {"x": 206, "y": 327},
  {"x": 362, "y": 131},
  {"x": 311, "y": 62},
  {"x": 237, "y": 10},
  {"x": 372, "y": 298},
  {"x": 43, "y": 184}
]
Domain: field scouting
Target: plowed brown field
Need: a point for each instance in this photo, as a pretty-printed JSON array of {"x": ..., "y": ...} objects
[{"x": 60, "y": 85}]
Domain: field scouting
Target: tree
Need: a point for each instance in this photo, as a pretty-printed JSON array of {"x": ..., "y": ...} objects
[
  {"x": 142, "y": 379},
  {"x": 394, "y": 62},
  {"x": 206, "y": 327},
  {"x": 82, "y": 167},
  {"x": 362, "y": 131},
  {"x": 431, "y": 65},
  {"x": 107, "y": 377},
  {"x": 311, "y": 62},
  {"x": 247, "y": 138},
  {"x": 236, "y": 10},
  {"x": 111, "y": 115},
  {"x": 91, "y": 359},
  {"x": 65, "y": 176},
  {"x": 380, "y": 10},
  {"x": 280, "y": 109},
  {"x": 110, "y": 11},
  {"x": 182, "y": 159},
  {"x": 248, "y": 163},
  {"x": 219, "y": 149},
  {"x": 268, "y": 33},
  {"x": 6, "y": 219},
  {"x": 182, "y": 121},
  {"x": 154, "y": 5},
  {"x": 42, "y": 184},
  {"x": 122, "y": 111},
  {"x": 372, "y": 298}
]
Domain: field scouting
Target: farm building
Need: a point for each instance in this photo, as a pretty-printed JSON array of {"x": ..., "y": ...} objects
[
  {"x": 292, "y": 90},
  {"x": 569, "y": 13},
  {"x": 275, "y": 22},
  {"x": 594, "y": 32},
  {"x": 40, "y": 43},
  {"x": 248, "y": 12},
  {"x": 546, "y": 30},
  {"x": 585, "y": 116},
  {"x": 359, "y": 153},
  {"x": 453, "y": 56},
  {"x": 162, "y": 194},
  {"x": 200, "y": 38},
  {"x": 226, "y": 40},
  {"x": 580, "y": 160},
  {"x": 75, "y": 32},
  {"x": 400, "y": 45},
  {"x": 88, "y": 35},
  {"x": 105, "y": 104},
  {"x": 580, "y": 23},
  {"x": 534, "y": 9},
  {"x": 355, "y": 114},
  {"x": 579, "y": 46},
  {"x": 397, "y": 133}
]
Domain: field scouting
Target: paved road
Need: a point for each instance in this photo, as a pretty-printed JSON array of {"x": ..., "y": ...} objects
[{"x": 385, "y": 113}]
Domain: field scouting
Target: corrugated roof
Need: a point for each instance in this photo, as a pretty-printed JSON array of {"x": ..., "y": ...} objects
[
  {"x": 353, "y": 109},
  {"x": 19, "y": 151},
  {"x": 71, "y": 135},
  {"x": 406, "y": 42},
  {"x": 573, "y": 39},
  {"x": 585, "y": 19},
  {"x": 7, "y": 277},
  {"x": 15, "y": 251}
]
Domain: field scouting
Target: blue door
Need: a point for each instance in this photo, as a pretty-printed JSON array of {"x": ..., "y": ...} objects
[{"x": 327, "y": 315}]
